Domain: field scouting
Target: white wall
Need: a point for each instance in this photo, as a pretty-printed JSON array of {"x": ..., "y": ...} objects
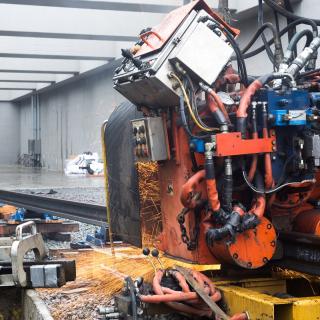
[
  {"x": 70, "y": 118},
  {"x": 9, "y": 133}
]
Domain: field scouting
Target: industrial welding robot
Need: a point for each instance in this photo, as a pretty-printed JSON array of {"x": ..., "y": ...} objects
[{"x": 238, "y": 156}]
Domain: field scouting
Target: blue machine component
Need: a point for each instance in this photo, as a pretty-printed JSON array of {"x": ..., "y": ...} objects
[
  {"x": 315, "y": 99},
  {"x": 99, "y": 238},
  {"x": 48, "y": 216},
  {"x": 18, "y": 215},
  {"x": 290, "y": 114},
  {"x": 291, "y": 117},
  {"x": 197, "y": 145},
  {"x": 289, "y": 108}
]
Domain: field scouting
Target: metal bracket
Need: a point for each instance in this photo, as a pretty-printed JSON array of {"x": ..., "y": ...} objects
[{"x": 21, "y": 246}]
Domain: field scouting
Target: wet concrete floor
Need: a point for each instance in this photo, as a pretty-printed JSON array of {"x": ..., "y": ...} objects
[{"x": 18, "y": 177}]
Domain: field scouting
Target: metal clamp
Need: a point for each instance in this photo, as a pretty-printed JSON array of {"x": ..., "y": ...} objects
[
  {"x": 21, "y": 246},
  {"x": 21, "y": 227}
]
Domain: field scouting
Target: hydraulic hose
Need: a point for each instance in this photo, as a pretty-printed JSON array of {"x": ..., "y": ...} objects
[
  {"x": 283, "y": 32},
  {"x": 258, "y": 207},
  {"x": 288, "y": 55},
  {"x": 301, "y": 60},
  {"x": 277, "y": 56},
  {"x": 259, "y": 32},
  {"x": 213, "y": 197},
  {"x": 244, "y": 104},
  {"x": 227, "y": 187},
  {"x": 267, "y": 157},
  {"x": 216, "y": 106},
  {"x": 186, "y": 197},
  {"x": 298, "y": 36},
  {"x": 254, "y": 161},
  {"x": 285, "y": 12},
  {"x": 241, "y": 64}
]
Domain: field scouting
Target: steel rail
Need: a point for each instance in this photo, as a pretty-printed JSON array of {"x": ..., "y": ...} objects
[
  {"x": 78, "y": 211},
  {"x": 299, "y": 252}
]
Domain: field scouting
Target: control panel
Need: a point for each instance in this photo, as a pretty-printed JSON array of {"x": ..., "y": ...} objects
[{"x": 150, "y": 139}]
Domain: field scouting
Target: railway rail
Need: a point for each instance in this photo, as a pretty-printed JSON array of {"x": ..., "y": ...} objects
[{"x": 78, "y": 211}]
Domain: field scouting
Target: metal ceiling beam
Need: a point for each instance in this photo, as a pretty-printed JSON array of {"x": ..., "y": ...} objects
[
  {"x": 45, "y": 66},
  {"x": 51, "y": 35},
  {"x": 53, "y": 56},
  {"x": 9, "y": 95},
  {"x": 17, "y": 89},
  {"x": 22, "y": 85},
  {"x": 38, "y": 71},
  {"x": 65, "y": 49},
  {"x": 27, "y": 77},
  {"x": 85, "y": 23},
  {"x": 97, "y": 5},
  {"x": 85, "y": 75},
  {"x": 27, "y": 81}
]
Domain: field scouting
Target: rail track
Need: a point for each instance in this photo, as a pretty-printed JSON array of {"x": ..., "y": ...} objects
[{"x": 78, "y": 211}]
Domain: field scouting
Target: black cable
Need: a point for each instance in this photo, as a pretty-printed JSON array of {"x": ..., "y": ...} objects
[
  {"x": 260, "y": 22},
  {"x": 241, "y": 64},
  {"x": 188, "y": 83},
  {"x": 277, "y": 187},
  {"x": 185, "y": 123},
  {"x": 282, "y": 32},
  {"x": 287, "y": 13}
]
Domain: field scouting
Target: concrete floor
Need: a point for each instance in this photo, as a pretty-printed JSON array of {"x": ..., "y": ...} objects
[{"x": 17, "y": 177}]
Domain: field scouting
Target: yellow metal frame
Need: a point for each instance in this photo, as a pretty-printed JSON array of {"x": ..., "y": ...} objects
[
  {"x": 255, "y": 297},
  {"x": 106, "y": 182}
]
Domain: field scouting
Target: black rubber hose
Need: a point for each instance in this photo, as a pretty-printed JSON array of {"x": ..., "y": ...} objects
[
  {"x": 291, "y": 32},
  {"x": 285, "y": 12},
  {"x": 241, "y": 64},
  {"x": 209, "y": 169},
  {"x": 298, "y": 36},
  {"x": 260, "y": 22},
  {"x": 283, "y": 32},
  {"x": 257, "y": 34},
  {"x": 226, "y": 194}
]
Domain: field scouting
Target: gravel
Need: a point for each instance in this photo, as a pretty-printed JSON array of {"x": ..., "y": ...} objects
[{"x": 92, "y": 195}]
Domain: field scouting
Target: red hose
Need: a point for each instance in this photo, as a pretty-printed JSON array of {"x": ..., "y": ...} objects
[
  {"x": 246, "y": 98},
  {"x": 254, "y": 161},
  {"x": 268, "y": 178},
  {"x": 215, "y": 101},
  {"x": 171, "y": 298},
  {"x": 186, "y": 302},
  {"x": 231, "y": 78},
  {"x": 259, "y": 206},
  {"x": 188, "y": 188},
  {"x": 213, "y": 197}
]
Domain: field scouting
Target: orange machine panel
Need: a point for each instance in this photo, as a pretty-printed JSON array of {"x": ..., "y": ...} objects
[{"x": 231, "y": 144}]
